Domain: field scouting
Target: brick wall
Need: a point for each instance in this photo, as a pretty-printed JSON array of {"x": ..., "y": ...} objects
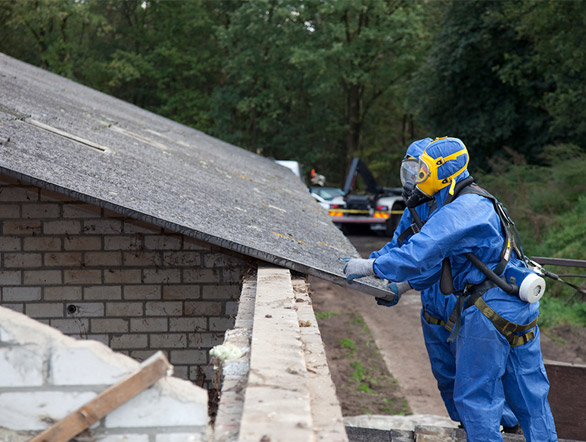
[{"x": 95, "y": 274}]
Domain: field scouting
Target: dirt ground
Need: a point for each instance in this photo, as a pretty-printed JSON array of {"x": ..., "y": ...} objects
[{"x": 383, "y": 368}]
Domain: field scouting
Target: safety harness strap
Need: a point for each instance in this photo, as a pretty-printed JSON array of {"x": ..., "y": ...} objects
[
  {"x": 473, "y": 296},
  {"x": 409, "y": 231},
  {"x": 432, "y": 319},
  {"x": 508, "y": 328}
]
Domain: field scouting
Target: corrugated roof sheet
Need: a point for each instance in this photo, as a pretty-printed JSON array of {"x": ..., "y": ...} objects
[{"x": 63, "y": 136}]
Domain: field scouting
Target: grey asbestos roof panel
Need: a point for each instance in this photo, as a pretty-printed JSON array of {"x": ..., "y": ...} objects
[{"x": 65, "y": 137}]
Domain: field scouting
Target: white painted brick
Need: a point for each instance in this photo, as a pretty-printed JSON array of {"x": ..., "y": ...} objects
[
  {"x": 102, "y": 338},
  {"x": 168, "y": 340},
  {"x": 188, "y": 357},
  {"x": 148, "y": 325},
  {"x": 42, "y": 243},
  {"x": 135, "y": 226},
  {"x": 109, "y": 325},
  {"x": 81, "y": 211},
  {"x": 47, "y": 195},
  {"x": 85, "y": 309},
  {"x": 182, "y": 404},
  {"x": 162, "y": 242},
  {"x": 180, "y": 371},
  {"x": 142, "y": 259},
  {"x": 82, "y": 243},
  {"x": 10, "y": 243},
  {"x": 82, "y": 276},
  {"x": 63, "y": 259},
  {"x": 77, "y": 327},
  {"x": 183, "y": 291},
  {"x": 102, "y": 292},
  {"x": 129, "y": 341},
  {"x": 11, "y": 277},
  {"x": 181, "y": 259},
  {"x": 220, "y": 260},
  {"x": 15, "y": 307},
  {"x": 19, "y": 194},
  {"x": 205, "y": 340},
  {"x": 111, "y": 214},
  {"x": 124, "y": 309},
  {"x": 31, "y": 410},
  {"x": 122, "y": 243},
  {"x": 142, "y": 292},
  {"x": 122, "y": 276},
  {"x": 41, "y": 211},
  {"x": 158, "y": 276},
  {"x": 201, "y": 308},
  {"x": 21, "y": 227},
  {"x": 232, "y": 308},
  {"x": 21, "y": 294},
  {"x": 181, "y": 437},
  {"x": 42, "y": 277},
  {"x": 101, "y": 259},
  {"x": 142, "y": 355},
  {"x": 201, "y": 275},
  {"x": 10, "y": 211},
  {"x": 221, "y": 324},
  {"x": 44, "y": 310},
  {"x": 188, "y": 324},
  {"x": 103, "y": 226},
  {"x": 194, "y": 244},
  {"x": 22, "y": 260},
  {"x": 88, "y": 363},
  {"x": 220, "y": 292},
  {"x": 21, "y": 367},
  {"x": 61, "y": 227},
  {"x": 164, "y": 308},
  {"x": 69, "y": 293}
]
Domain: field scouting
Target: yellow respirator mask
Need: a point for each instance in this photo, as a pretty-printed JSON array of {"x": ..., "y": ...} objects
[{"x": 428, "y": 181}]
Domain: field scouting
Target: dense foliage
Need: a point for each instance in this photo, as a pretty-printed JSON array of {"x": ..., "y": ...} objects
[{"x": 322, "y": 81}]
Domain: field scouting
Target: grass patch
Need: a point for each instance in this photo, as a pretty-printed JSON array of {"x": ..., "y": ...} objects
[{"x": 362, "y": 380}]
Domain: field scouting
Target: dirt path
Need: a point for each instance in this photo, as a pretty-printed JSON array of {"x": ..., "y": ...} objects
[{"x": 397, "y": 334}]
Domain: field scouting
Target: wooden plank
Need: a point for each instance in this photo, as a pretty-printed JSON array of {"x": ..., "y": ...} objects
[
  {"x": 151, "y": 370},
  {"x": 567, "y": 398}
]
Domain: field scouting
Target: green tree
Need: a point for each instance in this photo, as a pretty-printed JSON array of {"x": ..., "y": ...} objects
[
  {"x": 303, "y": 77},
  {"x": 459, "y": 91},
  {"x": 54, "y": 34},
  {"x": 556, "y": 31}
]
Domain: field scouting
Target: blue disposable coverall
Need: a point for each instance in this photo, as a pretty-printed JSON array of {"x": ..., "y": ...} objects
[
  {"x": 442, "y": 354},
  {"x": 488, "y": 370}
]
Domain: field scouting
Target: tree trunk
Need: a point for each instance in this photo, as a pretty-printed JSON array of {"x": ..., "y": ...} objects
[{"x": 353, "y": 122}]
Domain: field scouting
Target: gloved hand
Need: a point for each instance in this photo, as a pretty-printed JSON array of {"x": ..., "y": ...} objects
[
  {"x": 358, "y": 268},
  {"x": 397, "y": 289}
]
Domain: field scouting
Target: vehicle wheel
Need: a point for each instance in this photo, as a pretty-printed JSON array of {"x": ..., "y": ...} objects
[{"x": 392, "y": 224}]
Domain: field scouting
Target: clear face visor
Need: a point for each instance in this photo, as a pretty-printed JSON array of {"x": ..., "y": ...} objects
[
  {"x": 409, "y": 168},
  {"x": 423, "y": 171}
]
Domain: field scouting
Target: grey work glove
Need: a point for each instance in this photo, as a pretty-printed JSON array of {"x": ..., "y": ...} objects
[
  {"x": 358, "y": 268},
  {"x": 397, "y": 289}
]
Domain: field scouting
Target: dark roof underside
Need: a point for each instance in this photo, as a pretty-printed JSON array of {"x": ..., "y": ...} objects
[{"x": 65, "y": 137}]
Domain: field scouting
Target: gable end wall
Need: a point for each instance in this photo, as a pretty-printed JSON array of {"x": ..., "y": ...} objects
[{"x": 94, "y": 274}]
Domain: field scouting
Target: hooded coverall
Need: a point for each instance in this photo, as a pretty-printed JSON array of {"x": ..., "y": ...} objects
[
  {"x": 442, "y": 354},
  {"x": 488, "y": 371}
]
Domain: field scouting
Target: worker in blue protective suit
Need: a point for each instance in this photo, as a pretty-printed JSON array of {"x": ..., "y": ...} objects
[
  {"x": 436, "y": 307},
  {"x": 498, "y": 352}
]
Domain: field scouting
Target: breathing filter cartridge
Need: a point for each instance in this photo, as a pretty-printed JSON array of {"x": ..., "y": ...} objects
[{"x": 531, "y": 285}]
